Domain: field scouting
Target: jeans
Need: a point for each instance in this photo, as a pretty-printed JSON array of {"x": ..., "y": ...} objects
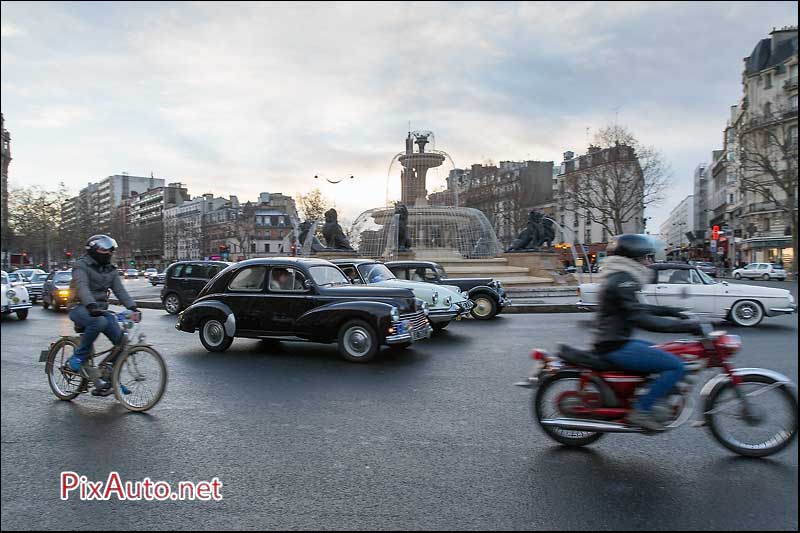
[
  {"x": 95, "y": 325},
  {"x": 640, "y": 356}
]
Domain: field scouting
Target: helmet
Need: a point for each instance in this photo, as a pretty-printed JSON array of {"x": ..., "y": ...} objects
[
  {"x": 100, "y": 248},
  {"x": 632, "y": 245}
]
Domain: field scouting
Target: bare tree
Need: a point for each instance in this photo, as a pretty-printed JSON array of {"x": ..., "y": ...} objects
[
  {"x": 620, "y": 179},
  {"x": 768, "y": 165},
  {"x": 312, "y": 207},
  {"x": 35, "y": 219}
]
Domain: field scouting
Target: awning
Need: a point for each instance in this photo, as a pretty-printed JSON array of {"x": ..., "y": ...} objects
[{"x": 768, "y": 242}]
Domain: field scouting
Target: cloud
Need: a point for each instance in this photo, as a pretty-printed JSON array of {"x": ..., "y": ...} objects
[{"x": 238, "y": 98}]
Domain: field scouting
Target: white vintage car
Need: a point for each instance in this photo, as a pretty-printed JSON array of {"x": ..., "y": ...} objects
[
  {"x": 14, "y": 297},
  {"x": 682, "y": 285}
]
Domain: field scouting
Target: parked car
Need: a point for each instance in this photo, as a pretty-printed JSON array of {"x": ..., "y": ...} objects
[
  {"x": 157, "y": 279},
  {"x": 683, "y": 285},
  {"x": 706, "y": 266},
  {"x": 56, "y": 291},
  {"x": 487, "y": 295},
  {"x": 14, "y": 297},
  {"x": 15, "y": 278},
  {"x": 131, "y": 273},
  {"x": 765, "y": 271},
  {"x": 36, "y": 286},
  {"x": 303, "y": 299},
  {"x": 28, "y": 272},
  {"x": 445, "y": 302},
  {"x": 184, "y": 281}
]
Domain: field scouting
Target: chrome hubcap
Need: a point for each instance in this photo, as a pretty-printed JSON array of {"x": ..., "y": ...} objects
[
  {"x": 172, "y": 303},
  {"x": 358, "y": 342},
  {"x": 213, "y": 332},
  {"x": 483, "y": 307},
  {"x": 747, "y": 313}
]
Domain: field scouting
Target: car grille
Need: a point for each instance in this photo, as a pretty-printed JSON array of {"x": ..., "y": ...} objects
[
  {"x": 35, "y": 291},
  {"x": 418, "y": 320}
]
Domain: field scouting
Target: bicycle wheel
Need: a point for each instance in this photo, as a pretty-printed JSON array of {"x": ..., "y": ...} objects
[
  {"x": 142, "y": 371},
  {"x": 66, "y": 385}
]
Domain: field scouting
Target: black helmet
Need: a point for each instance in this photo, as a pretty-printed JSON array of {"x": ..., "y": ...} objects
[
  {"x": 100, "y": 247},
  {"x": 632, "y": 245}
]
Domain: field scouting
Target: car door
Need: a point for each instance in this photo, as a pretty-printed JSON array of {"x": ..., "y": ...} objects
[
  {"x": 287, "y": 298},
  {"x": 703, "y": 297},
  {"x": 750, "y": 271},
  {"x": 195, "y": 277},
  {"x": 671, "y": 285},
  {"x": 244, "y": 295}
]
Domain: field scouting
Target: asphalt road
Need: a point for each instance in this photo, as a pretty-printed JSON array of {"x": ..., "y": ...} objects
[{"x": 435, "y": 437}]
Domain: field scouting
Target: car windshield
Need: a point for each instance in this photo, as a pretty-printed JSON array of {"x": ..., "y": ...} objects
[
  {"x": 327, "y": 275},
  {"x": 64, "y": 277},
  {"x": 5, "y": 280},
  {"x": 39, "y": 278},
  {"x": 777, "y": 267},
  {"x": 441, "y": 272},
  {"x": 375, "y": 272}
]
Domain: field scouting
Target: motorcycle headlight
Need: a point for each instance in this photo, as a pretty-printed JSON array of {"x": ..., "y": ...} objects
[
  {"x": 63, "y": 293},
  {"x": 11, "y": 293},
  {"x": 395, "y": 314},
  {"x": 435, "y": 297}
]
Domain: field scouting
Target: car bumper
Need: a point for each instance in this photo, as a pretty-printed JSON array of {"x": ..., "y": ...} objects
[
  {"x": 788, "y": 310},
  {"x": 16, "y": 307},
  {"x": 455, "y": 312},
  {"x": 504, "y": 302}
]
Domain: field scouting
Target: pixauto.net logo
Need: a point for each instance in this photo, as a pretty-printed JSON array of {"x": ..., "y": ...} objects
[{"x": 75, "y": 485}]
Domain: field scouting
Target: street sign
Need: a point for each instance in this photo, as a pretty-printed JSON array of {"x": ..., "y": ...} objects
[{"x": 713, "y": 247}]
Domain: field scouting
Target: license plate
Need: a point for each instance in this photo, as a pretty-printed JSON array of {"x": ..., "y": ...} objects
[{"x": 418, "y": 334}]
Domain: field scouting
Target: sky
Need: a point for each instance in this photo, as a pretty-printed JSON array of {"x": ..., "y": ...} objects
[{"x": 239, "y": 98}]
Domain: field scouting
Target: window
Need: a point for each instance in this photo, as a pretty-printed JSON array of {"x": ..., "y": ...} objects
[
  {"x": 695, "y": 278},
  {"x": 768, "y": 80},
  {"x": 253, "y": 247},
  {"x": 351, "y": 273},
  {"x": 266, "y": 248},
  {"x": 766, "y": 224},
  {"x": 196, "y": 271},
  {"x": 400, "y": 273},
  {"x": 213, "y": 270},
  {"x": 177, "y": 272},
  {"x": 283, "y": 279},
  {"x": 674, "y": 276},
  {"x": 249, "y": 279}
]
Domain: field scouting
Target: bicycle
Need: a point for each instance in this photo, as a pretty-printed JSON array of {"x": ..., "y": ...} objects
[{"x": 129, "y": 365}]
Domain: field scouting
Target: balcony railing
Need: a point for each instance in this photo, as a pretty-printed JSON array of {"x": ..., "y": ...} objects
[
  {"x": 762, "y": 207},
  {"x": 790, "y": 84}
]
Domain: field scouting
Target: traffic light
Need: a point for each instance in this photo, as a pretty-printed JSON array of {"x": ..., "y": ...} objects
[
  {"x": 715, "y": 233},
  {"x": 69, "y": 254},
  {"x": 133, "y": 262}
]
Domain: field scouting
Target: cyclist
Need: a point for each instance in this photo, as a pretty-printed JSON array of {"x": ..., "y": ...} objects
[{"x": 92, "y": 277}]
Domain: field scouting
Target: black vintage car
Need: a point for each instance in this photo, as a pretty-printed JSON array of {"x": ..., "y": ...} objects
[
  {"x": 487, "y": 294},
  {"x": 303, "y": 300}
]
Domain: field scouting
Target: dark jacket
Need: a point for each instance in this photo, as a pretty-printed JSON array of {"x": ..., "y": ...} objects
[
  {"x": 620, "y": 310},
  {"x": 91, "y": 282}
]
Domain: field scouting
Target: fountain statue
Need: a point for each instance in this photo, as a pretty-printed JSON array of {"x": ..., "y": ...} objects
[
  {"x": 332, "y": 231},
  {"x": 538, "y": 231}
]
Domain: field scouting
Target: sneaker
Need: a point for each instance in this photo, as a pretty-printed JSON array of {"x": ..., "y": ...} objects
[
  {"x": 644, "y": 420},
  {"x": 74, "y": 364},
  {"x": 102, "y": 388}
]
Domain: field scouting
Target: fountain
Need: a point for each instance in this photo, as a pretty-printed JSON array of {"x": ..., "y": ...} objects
[{"x": 427, "y": 231}]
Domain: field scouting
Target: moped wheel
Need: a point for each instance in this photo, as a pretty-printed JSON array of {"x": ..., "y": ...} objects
[
  {"x": 546, "y": 406},
  {"x": 65, "y": 385},
  {"x": 141, "y": 370},
  {"x": 773, "y": 422}
]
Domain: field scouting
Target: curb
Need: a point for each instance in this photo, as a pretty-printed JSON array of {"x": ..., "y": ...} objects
[{"x": 546, "y": 308}]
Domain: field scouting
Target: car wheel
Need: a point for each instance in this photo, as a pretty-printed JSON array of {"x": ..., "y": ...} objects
[
  {"x": 746, "y": 313},
  {"x": 172, "y": 303},
  {"x": 765, "y": 277},
  {"x": 213, "y": 336},
  {"x": 56, "y": 307},
  {"x": 22, "y": 315},
  {"x": 358, "y": 342},
  {"x": 485, "y": 308},
  {"x": 737, "y": 276},
  {"x": 45, "y": 305}
]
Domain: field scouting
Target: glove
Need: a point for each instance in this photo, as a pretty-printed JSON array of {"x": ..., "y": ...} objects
[
  {"x": 136, "y": 315},
  {"x": 94, "y": 310}
]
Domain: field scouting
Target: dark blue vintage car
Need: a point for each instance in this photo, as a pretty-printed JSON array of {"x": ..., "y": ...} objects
[{"x": 303, "y": 300}]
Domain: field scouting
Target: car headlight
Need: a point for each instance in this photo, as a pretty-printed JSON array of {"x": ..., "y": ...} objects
[
  {"x": 435, "y": 297},
  {"x": 465, "y": 295},
  {"x": 395, "y": 314},
  {"x": 425, "y": 308},
  {"x": 63, "y": 293},
  {"x": 448, "y": 300},
  {"x": 11, "y": 293}
]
